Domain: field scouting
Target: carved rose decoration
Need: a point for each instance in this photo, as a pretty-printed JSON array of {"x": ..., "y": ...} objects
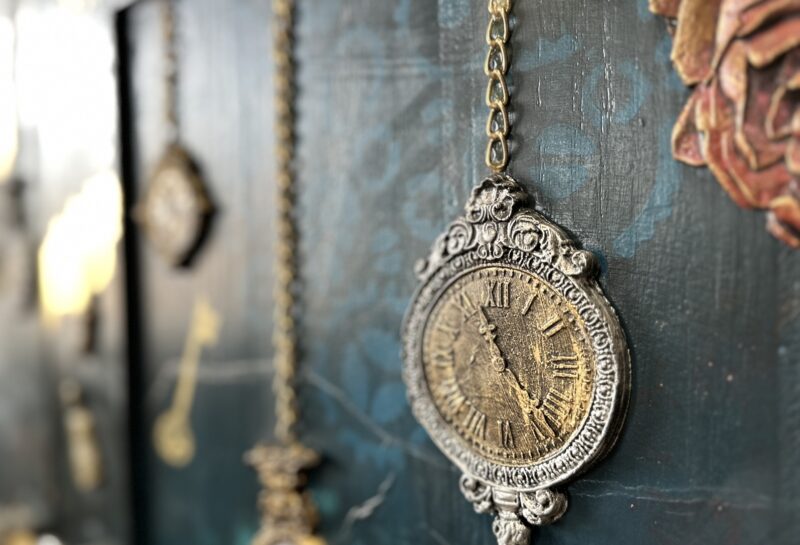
[{"x": 743, "y": 117}]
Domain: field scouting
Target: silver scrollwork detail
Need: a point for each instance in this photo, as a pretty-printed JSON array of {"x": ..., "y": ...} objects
[
  {"x": 499, "y": 218},
  {"x": 495, "y": 199},
  {"x": 515, "y": 513},
  {"x": 510, "y": 530},
  {"x": 543, "y": 506},
  {"x": 477, "y": 493}
]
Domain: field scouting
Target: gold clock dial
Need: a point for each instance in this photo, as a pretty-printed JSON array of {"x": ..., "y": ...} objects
[
  {"x": 176, "y": 207},
  {"x": 508, "y": 363}
]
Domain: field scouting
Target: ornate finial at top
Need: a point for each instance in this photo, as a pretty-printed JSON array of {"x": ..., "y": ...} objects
[
  {"x": 499, "y": 217},
  {"x": 495, "y": 199}
]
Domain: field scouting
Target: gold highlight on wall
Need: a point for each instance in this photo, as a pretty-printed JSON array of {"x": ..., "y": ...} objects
[{"x": 78, "y": 255}]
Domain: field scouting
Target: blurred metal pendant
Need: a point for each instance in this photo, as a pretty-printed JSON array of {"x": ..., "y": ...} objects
[
  {"x": 83, "y": 449},
  {"x": 176, "y": 210},
  {"x": 288, "y": 515}
]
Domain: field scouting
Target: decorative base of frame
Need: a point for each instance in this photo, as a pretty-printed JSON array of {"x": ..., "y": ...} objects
[{"x": 515, "y": 513}]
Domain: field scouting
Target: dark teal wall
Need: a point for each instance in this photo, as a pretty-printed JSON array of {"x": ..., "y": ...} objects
[{"x": 391, "y": 141}]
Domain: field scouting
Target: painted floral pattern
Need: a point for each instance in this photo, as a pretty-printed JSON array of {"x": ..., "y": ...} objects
[{"x": 743, "y": 117}]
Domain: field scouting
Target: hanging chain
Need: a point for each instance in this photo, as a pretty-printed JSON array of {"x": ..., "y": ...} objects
[
  {"x": 170, "y": 70},
  {"x": 285, "y": 333},
  {"x": 288, "y": 513},
  {"x": 496, "y": 67}
]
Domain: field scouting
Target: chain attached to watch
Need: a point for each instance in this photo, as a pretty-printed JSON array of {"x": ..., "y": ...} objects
[
  {"x": 496, "y": 66},
  {"x": 514, "y": 360}
]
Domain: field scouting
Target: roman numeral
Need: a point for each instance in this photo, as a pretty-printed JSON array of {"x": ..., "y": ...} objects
[
  {"x": 452, "y": 395},
  {"x": 528, "y": 303},
  {"x": 498, "y": 294},
  {"x": 506, "y": 434},
  {"x": 475, "y": 422},
  {"x": 556, "y": 405},
  {"x": 565, "y": 367},
  {"x": 443, "y": 358},
  {"x": 553, "y": 326},
  {"x": 465, "y": 305}
]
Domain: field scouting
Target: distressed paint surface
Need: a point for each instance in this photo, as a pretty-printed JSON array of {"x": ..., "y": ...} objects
[{"x": 391, "y": 141}]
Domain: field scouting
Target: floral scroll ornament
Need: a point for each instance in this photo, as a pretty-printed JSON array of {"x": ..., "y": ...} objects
[{"x": 743, "y": 117}]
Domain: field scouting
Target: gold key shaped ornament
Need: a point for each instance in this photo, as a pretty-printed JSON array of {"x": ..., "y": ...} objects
[{"x": 172, "y": 433}]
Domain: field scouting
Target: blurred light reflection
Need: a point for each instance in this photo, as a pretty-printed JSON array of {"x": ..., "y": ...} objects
[
  {"x": 8, "y": 102},
  {"x": 78, "y": 255},
  {"x": 65, "y": 83}
]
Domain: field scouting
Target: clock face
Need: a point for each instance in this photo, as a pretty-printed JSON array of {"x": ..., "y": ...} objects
[
  {"x": 175, "y": 208},
  {"x": 509, "y": 365}
]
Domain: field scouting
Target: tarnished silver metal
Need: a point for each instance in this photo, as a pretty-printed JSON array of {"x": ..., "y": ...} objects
[{"x": 515, "y": 361}]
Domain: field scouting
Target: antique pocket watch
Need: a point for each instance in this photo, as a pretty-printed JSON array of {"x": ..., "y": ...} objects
[{"x": 514, "y": 360}]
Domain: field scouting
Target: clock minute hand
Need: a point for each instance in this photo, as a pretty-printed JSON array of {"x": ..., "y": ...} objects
[{"x": 487, "y": 329}]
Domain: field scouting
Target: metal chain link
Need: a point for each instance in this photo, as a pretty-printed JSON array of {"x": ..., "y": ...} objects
[
  {"x": 170, "y": 70},
  {"x": 286, "y": 267},
  {"x": 496, "y": 67},
  {"x": 497, "y": 156}
]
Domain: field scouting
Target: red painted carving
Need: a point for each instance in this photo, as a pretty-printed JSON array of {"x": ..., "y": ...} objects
[{"x": 743, "y": 117}]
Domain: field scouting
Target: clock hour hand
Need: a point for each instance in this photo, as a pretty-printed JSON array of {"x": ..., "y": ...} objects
[{"x": 486, "y": 330}]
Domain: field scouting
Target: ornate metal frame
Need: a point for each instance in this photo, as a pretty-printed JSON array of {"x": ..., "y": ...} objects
[{"x": 498, "y": 229}]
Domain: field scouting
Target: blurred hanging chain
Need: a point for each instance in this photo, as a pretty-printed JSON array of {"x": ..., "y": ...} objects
[
  {"x": 498, "y": 126},
  {"x": 288, "y": 515},
  {"x": 285, "y": 333}
]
